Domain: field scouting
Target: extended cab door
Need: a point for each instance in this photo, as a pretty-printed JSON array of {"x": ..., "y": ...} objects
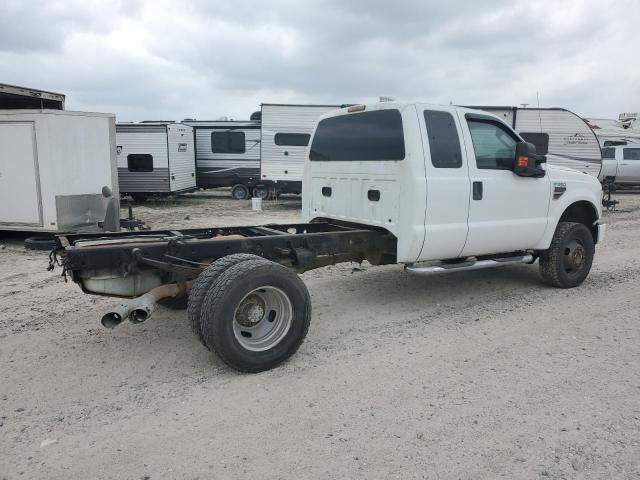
[
  {"x": 506, "y": 212},
  {"x": 448, "y": 187}
]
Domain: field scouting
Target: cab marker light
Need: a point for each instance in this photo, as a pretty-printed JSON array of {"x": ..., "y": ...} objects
[{"x": 356, "y": 108}]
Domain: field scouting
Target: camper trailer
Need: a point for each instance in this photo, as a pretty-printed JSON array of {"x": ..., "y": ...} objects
[
  {"x": 58, "y": 171},
  {"x": 284, "y": 138},
  {"x": 610, "y": 133},
  {"x": 155, "y": 159},
  {"x": 561, "y": 135},
  {"x": 227, "y": 155}
]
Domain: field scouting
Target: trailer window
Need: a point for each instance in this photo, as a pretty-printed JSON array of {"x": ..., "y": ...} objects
[
  {"x": 292, "y": 139},
  {"x": 366, "y": 136},
  {"x": 444, "y": 144},
  {"x": 140, "y": 162},
  {"x": 493, "y": 144},
  {"x": 631, "y": 154},
  {"x": 227, "y": 142},
  {"x": 608, "y": 152},
  {"x": 540, "y": 140}
]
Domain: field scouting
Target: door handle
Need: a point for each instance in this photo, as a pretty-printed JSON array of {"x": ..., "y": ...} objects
[{"x": 477, "y": 190}]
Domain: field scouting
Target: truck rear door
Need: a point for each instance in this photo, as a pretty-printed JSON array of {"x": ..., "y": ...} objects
[
  {"x": 506, "y": 212},
  {"x": 448, "y": 187}
]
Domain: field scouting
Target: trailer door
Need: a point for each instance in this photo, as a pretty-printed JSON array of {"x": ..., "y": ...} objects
[{"x": 19, "y": 182}]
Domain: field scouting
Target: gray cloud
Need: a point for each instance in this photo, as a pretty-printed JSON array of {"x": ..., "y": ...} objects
[{"x": 167, "y": 59}]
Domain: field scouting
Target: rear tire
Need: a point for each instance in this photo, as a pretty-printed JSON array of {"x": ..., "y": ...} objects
[
  {"x": 256, "y": 315},
  {"x": 204, "y": 281},
  {"x": 568, "y": 260},
  {"x": 240, "y": 192}
]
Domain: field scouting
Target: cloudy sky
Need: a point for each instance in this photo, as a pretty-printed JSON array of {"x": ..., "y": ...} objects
[{"x": 206, "y": 59}]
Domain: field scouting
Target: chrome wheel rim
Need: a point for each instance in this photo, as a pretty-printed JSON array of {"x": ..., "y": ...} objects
[{"x": 262, "y": 319}]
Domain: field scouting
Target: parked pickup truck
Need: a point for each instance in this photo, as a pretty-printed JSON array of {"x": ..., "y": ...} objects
[
  {"x": 621, "y": 164},
  {"x": 434, "y": 188}
]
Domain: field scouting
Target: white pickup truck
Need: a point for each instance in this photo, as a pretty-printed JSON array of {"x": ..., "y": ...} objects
[
  {"x": 621, "y": 164},
  {"x": 434, "y": 188}
]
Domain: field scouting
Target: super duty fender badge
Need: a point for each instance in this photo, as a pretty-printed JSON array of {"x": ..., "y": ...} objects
[{"x": 558, "y": 189}]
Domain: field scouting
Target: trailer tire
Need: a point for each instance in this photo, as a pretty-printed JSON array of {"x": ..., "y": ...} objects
[
  {"x": 204, "y": 281},
  {"x": 256, "y": 315},
  {"x": 263, "y": 192},
  {"x": 567, "y": 261},
  {"x": 240, "y": 192},
  {"x": 40, "y": 243}
]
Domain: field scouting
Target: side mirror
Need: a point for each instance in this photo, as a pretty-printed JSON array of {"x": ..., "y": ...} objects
[{"x": 527, "y": 161}]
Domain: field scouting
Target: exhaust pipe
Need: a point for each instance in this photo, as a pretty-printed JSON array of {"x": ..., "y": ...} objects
[{"x": 140, "y": 309}]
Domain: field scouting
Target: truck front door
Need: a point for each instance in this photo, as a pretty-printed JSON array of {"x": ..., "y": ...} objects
[{"x": 506, "y": 212}]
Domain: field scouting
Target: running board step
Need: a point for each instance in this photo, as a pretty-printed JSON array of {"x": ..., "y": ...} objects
[{"x": 468, "y": 265}]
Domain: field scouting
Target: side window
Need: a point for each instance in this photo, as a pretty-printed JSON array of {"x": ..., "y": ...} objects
[
  {"x": 227, "y": 142},
  {"x": 292, "y": 139},
  {"x": 608, "y": 152},
  {"x": 540, "y": 140},
  {"x": 631, "y": 154},
  {"x": 444, "y": 144},
  {"x": 493, "y": 144},
  {"x": 140, "y": 162}
]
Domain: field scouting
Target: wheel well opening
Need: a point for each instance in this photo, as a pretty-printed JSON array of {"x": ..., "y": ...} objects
[{"x": 582, "y": 212}]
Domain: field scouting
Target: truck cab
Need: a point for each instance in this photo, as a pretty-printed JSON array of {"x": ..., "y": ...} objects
[
  {"x": 446, "y": 181},
  {"x": 622, "y": 162}
]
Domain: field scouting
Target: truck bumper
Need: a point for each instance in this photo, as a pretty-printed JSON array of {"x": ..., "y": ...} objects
[{"x": 602, "y": 232}]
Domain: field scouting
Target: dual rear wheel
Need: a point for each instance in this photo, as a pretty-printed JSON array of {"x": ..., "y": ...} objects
[{"x": 252, "y": 312}]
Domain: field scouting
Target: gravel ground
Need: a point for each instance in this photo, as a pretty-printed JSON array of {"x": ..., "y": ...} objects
[{"x": 483, "y": 374}]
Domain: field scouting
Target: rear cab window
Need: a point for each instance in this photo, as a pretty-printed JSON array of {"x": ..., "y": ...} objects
[
  {"x": 364, "y": 136},
  {"x": 608, "y": 152}
]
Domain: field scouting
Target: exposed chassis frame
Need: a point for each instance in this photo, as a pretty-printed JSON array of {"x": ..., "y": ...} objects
[{"x": 181, "y": 255}]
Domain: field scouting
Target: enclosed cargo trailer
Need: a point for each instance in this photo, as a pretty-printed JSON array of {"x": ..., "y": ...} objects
[{"x": 58, "y": 171}]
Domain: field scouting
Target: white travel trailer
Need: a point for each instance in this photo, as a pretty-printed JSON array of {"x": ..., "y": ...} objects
[
  {"x": 227, "y": 154},
  {"x": 285, "y": 134},
  {"x": 155, "y": 158},
  {"x": 560, "y": 134},
  {"x": 54, "y": 167},
  {"x": 624, "y": 130}
]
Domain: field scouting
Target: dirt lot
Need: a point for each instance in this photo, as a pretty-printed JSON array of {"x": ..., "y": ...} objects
[{"x": 471, "y": 375}]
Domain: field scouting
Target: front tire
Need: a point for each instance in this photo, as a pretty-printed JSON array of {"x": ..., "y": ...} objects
[
  {"x": 256, "y": 315},
  {"x": 568, "y": 260}
]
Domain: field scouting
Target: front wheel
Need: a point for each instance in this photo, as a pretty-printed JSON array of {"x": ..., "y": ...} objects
[
  {"x": 255, "y": 315},
  {"x": 568, "y": 260}
]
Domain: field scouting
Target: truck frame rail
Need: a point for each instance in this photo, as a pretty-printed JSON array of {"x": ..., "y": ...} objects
[{"x": 181, "y": 255}]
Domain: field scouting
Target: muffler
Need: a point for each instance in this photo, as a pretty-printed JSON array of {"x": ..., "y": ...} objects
[{"x": 140, "y": 309}]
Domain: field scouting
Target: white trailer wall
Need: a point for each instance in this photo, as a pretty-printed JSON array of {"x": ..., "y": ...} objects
[
  {"x": 53, "y": 166},
  {"x": 155, "y": 158},
  {"x": 134, "y": 140},
  {"x": 286, "y": 162},
  {"x": 226, "y": 168},
  {"x": 182, "y": 160}
]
